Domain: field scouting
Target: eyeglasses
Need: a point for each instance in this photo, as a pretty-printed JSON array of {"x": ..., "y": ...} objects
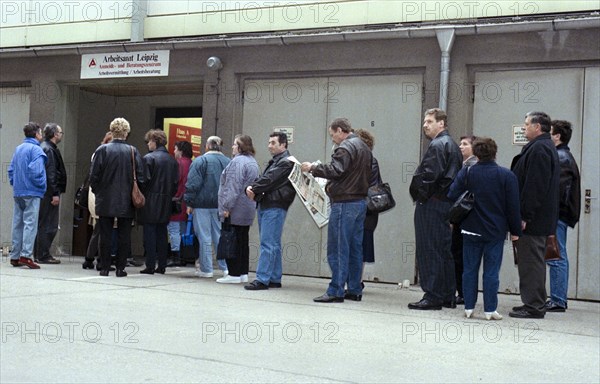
[{"x": 61, "y": 133}]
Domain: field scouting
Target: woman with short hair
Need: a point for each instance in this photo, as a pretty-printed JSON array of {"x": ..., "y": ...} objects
[{"x": 495, "y": 212}]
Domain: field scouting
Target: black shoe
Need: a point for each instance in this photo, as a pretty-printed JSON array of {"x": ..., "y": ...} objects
[
  {"x": 449, "y": 304},
  {"x": 133, "y": 263},
  {"x": 525, "y": 314},
  {"x": 256, "y": 286},
  {"x": 87, "y": 264},
  {"x": 103, "y": 272},
  {"x": 121, "y": 273},
  {"x": 460, "y": 300},
  {"x": 15, "y": 262},
  {"x": 99, "y": 267},
  {"x": 274, "y": 285},
  {"x": 147, "y": 271},
  {"x": 160, "y": 270},
  {"x": 553, "y": 307},
  {"x": 518, "y": 308},
  {"x": 424, "y": 305},
  {"x": 49, "y": 260},
  {"x": 353, "y": 297},
  {"x": 174, "y": 263},
  {"x": 325, "y": 298}
]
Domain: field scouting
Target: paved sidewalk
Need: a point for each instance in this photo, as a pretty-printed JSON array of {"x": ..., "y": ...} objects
[{"x": 63, "y": 324}]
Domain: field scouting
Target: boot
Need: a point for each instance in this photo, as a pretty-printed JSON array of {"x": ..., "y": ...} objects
[{"x": 175, "y": 260}]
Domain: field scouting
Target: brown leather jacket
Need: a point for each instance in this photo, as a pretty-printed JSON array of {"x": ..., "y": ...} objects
[{"x": 349, "y": 171}]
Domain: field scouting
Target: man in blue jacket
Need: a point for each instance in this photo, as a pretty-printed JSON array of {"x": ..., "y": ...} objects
[
  {"x": 27, "y": 176},
  {"x": 201, "y": 198}
]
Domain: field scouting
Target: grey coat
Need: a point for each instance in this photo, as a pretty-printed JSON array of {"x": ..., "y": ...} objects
[{"x": 238, "y": 174}]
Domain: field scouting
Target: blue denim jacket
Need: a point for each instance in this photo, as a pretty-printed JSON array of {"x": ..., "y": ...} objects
[{"x": 27, "y": 169}]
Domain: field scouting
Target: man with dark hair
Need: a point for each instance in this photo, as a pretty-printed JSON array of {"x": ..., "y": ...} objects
[
  {"x": 56, "y": 180},
  {"x": 568, "y": 214},
  {"x": 349, "y": 173},
  {"x": 537, "y": 170},
  {"x": 201, "y": 198},
  {"x": 428, "y": 188},
  {"x": 27, "y": 176},
  {"x": 274, "y": 194}
]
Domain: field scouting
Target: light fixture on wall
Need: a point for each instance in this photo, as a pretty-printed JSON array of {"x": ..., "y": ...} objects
[{"x": 214, "y": 63}]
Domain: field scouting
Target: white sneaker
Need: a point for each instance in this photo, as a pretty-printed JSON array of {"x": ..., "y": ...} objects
[
  {"x": 468, "y": 313},
  {"x": 493, "y": 316},
  {"x": 244, "y": 278},
  {"x": 225, "y": 273},
  {"x": 230, "y": 280},
  {"x": 204, "y": 274}
]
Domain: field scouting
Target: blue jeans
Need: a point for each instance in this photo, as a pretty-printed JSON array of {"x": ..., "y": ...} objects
[
  {"x": 270, "y": 225},
  {"x": 344, "y": 246},
  {"x": 24, "y": 226},
  {"x": 176, "y": 229},
  {"x": 491, "y": 251},
  {"x": 559, "y": 269},
  {"x": 207, "y": 228}
]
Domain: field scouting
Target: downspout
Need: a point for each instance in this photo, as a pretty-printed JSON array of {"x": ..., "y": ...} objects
[
  {"x": 445, "y": 39},
  {"x": 138, "y": 17}
]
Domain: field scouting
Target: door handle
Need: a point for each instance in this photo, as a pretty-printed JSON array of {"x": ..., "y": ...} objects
[{"x": 588, "y": 201}]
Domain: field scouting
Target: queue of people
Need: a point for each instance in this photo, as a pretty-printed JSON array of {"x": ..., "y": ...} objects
[{"x": 213, "y": 189}]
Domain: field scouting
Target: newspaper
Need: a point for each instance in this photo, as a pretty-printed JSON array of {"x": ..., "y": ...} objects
[{"x": 311, "y": 191}]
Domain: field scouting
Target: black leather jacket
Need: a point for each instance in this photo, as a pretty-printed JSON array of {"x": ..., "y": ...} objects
[
  {"x": 569, "y": 188},
  {"x": 349, "y": 172},
  {"x": 439, "y": 167},
  {"x": 161, "y": 173},
  {"x": 538, "y": 171},
  {"x": 111, "y": 178},
  {"x": 272, "y": 188},
  {"x": 56, "y": 174}
]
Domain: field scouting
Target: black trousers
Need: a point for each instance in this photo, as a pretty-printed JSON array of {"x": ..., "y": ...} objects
[
  {"x": 93, "y": 248},
  {"x": 532, "y": 272},
  {"x": 240, "y": 264},
  {"x": 124, "y": 241},
  {"x": 457, "y": 255},
  {"x": 155, "y": 245},
  {"x": 47, "y": 228},
  {"x": 434, "y": 259}
]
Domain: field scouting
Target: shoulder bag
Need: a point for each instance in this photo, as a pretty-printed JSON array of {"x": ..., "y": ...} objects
[
  {"x": 379, "y": 198},
  {"x": 552, "y": 251},
  {"x": 463, "y": 206},
  {"x": 81, "y": 196},
  {"x": 137, "y": 198},
  {"x": 227, "y": 248}
]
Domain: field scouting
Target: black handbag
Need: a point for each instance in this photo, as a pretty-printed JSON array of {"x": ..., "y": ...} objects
[
  {"x": 176, "y": 206},
  {"x": 379, "y": 198},
  {"x": 463, "y": 206},
  {"x": 227, "y": 248},
  {"x": 189, "y": 246},
  {"x": 81, "y": 196}
]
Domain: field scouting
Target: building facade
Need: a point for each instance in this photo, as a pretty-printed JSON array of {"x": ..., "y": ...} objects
[{"x": 296, "y": 66}]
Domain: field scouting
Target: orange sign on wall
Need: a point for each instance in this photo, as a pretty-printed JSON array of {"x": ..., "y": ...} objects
[{"x": 184, "y": 129}]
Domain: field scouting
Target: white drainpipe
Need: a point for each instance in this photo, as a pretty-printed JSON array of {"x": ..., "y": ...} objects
[{"x": 445, "y": 39}]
